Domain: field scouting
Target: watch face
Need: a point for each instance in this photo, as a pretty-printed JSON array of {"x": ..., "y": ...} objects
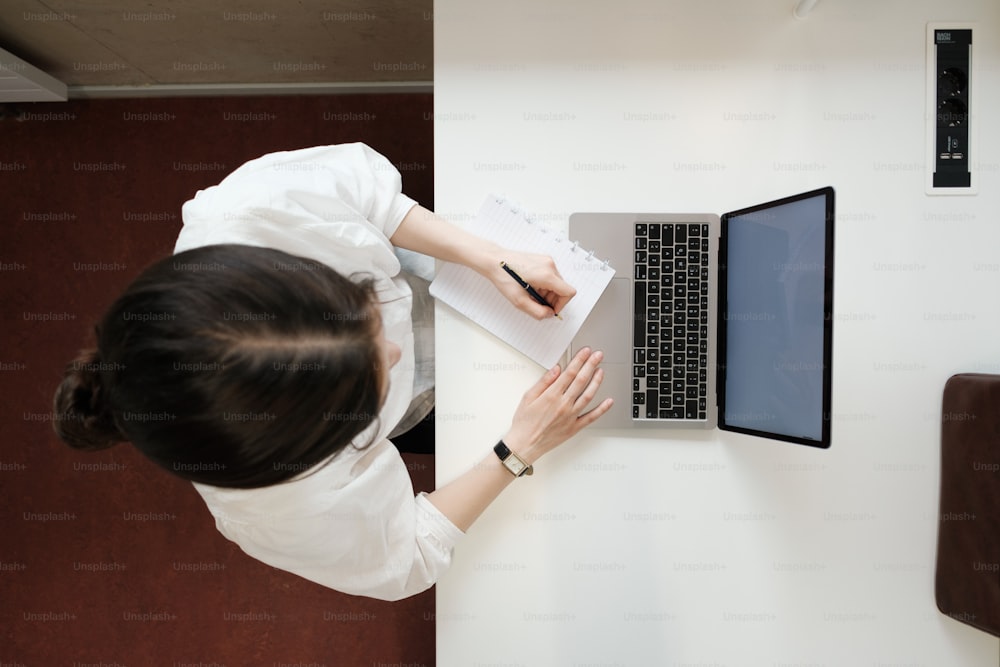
[{"x": 514, "y": 464}]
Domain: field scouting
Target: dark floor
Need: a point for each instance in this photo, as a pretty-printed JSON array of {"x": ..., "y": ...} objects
[{"x": 104, "y": 558}]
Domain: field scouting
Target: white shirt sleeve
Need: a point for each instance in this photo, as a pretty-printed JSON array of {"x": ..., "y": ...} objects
[
  {"x": 353, "y": 526},
  {"x": 314, "y": 186}
]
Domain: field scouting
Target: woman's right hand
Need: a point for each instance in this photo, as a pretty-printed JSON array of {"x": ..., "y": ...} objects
[
  {"x": 550, "y": 413},
  {"x": 555, "y": 408},
  {"x": 540, "y": 272}
]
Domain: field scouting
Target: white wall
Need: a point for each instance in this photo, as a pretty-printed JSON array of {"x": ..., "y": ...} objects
[{"x": 725, "y": 549}]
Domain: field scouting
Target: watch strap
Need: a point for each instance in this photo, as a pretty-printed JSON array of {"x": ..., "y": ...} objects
[{"x": 514, "y": 463}]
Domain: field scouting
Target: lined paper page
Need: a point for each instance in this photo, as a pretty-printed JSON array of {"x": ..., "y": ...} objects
[{"x": 544, "y": 341}]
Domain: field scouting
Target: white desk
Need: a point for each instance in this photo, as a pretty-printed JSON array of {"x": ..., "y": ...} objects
[{"x": 721, "y": 549}]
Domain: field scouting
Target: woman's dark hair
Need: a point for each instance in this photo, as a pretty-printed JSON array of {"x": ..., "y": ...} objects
[{"x": 229, "y": 365}]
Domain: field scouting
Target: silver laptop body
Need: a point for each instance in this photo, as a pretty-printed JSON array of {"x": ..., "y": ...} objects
[{"x": 611, "y": 325}]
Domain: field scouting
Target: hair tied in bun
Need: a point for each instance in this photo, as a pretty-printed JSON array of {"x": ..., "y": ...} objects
[{"x": 82, "y": 417}]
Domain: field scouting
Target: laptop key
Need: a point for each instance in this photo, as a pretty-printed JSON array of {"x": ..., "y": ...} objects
[{"x": 639, "y": 313}]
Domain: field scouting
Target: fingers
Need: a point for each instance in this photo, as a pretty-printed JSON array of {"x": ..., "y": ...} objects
[
  {"x": 552, "y": 410},
  {"x": 590, "y": 390},
  {"x": 588, "y": 418},
  {"x": 556, "y": 300},
  {"x": 589, "y": 376},
  {"x": 541, "y": 273},
  {"x": 559, "y": 302},
  {"x": 543, "y": 383},
  {"x": 556, "y": 291},
  {"x": 535, "y": 309},
  {"x": 553, "y": 282},
  {"x": 585, "y": 377},
  {"x": 578, "y": 372}
]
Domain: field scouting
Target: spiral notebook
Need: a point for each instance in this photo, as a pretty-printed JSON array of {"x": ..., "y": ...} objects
[{"x": 544, "y": 341}]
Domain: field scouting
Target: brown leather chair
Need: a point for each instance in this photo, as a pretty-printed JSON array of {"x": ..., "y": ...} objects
[{"x": 967, "y": 577}]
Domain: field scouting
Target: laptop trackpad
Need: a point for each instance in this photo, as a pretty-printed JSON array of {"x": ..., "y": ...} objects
[{"x": 609, "y": 327}]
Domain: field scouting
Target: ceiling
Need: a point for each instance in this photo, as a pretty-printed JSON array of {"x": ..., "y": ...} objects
[{"x": 93, "y": 44}]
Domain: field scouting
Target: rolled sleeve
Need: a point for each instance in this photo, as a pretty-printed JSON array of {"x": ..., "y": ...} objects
[
  {"x": 354, "y": 526},
  {"x": 335, "y": 184}
]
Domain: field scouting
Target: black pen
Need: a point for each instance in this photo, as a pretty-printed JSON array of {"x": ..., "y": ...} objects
[{"x": 531, "y": 290}]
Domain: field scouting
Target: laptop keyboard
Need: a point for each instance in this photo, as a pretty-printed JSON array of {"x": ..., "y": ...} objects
[{"x": 670, "y": 327}]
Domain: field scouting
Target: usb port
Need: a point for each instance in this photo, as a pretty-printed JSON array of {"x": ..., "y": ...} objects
[
  {"x": 945, "y": 156},
  {"x": 957, "y": 156}
]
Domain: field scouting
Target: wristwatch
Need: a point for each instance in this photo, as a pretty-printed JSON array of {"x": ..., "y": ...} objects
[{"x": 514, "y": 463}]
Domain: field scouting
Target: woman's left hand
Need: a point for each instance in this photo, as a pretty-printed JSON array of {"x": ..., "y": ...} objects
[{"x": 541, "y": 273}]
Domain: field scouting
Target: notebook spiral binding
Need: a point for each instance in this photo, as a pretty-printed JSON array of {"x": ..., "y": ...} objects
[{"x": 516, "y": 209}]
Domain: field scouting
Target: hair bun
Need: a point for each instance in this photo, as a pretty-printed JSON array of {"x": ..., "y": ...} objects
[{"x": 83, "y": 419}]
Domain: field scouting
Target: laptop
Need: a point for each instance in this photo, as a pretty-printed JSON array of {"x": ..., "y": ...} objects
[{"x": 717, "y": 322}]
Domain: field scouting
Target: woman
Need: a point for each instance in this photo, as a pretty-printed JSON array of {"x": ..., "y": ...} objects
[{"x": 270, "y": 359}]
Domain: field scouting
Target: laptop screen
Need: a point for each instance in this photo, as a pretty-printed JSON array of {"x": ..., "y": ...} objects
[{"x": 775, "y": 306}]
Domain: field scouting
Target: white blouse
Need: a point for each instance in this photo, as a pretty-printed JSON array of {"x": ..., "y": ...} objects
[{"x": 354, "y": 525}]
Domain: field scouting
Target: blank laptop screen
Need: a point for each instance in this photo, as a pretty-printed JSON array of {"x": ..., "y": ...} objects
[{"x": 776, "y": 309}]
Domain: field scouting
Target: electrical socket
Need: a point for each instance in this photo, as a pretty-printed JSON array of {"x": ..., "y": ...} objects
[{"x": 952, "y": 123}]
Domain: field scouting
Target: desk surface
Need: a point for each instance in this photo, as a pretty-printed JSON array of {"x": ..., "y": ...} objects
[{"x": 717, "y": 549}]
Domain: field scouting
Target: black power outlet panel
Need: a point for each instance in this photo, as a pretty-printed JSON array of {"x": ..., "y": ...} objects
[{"x": 951, "y": 142}]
